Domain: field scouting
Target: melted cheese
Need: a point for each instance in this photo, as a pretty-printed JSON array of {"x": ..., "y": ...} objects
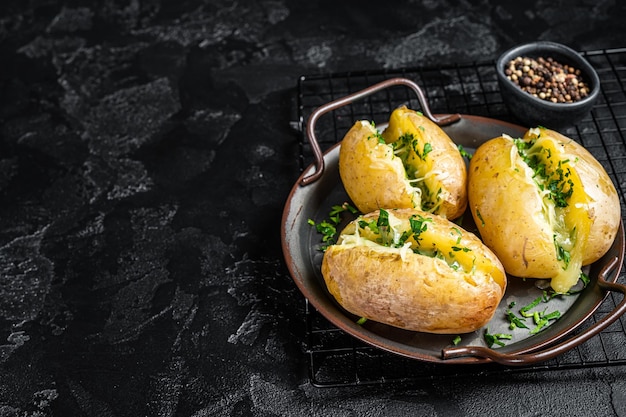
[
  {"x": 425, "y": 175},
  {"x": 570, "y": 224},
  {"x": 430, "y": 241}
]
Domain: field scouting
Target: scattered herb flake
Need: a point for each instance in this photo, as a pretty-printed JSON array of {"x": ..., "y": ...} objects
[
  {"x": 515, "y": 321},
  {"x": 496, "y": 339},
  {"x": 428, "y": 148},
  {"x": 458, "y": 248},
  {"x": 464, "y": 153},
  {"x": 480, "y": 217},
  {"x": 542, "y": 320},
  {"x": 525, "y": 311},
  {"x": 328, "y": 227}
]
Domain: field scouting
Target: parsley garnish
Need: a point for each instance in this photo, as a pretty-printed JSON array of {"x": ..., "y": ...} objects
[
  {"x": 515, "y": 321},
  {"x": 561, "y": 253},
  {"x": 428, "y": 148},
  {"x": 464, "y": 153},
  {"x": 480, "y": 217},
  {"x": 384, "y": 229},
  {"x": 541, "y": 320},
  {"x": 407, "y": 141},
  {"x": 464, "y": 249},
  {"x": 407, "y": 148},
  {"x": 496, "y": 339},
  {"x": 328, "y": 228},
  {"x": 525, "y": 311},
  {"x": 383, "y": 219},
  {"x": 548, "y": 175},
  {"x": 458, "y": 232},
  {"x": 418, "y": 224}
]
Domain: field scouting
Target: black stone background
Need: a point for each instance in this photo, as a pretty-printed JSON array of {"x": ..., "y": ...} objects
[{"x": 145, "y": 158}]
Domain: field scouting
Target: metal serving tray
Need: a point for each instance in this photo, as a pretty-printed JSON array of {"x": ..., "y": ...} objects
[{"x": 327, "y": 325}]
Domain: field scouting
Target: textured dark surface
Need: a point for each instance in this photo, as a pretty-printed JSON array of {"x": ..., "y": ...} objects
[{"x": 146, "y": 154}]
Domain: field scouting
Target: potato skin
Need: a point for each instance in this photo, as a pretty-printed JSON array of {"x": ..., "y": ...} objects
[
  {"x": 373, "y": 177},
  {"x": 370, "y": 173},
  {"x": 444, "y": 158},
  {"x": 416, "y": 292},
  {"x": 507, "y": 208}
]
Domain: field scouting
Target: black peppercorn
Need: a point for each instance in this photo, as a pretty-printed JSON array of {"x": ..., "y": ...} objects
[{"x": 547, "y": 79}]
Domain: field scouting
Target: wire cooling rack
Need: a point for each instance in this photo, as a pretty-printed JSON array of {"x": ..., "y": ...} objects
[{"x": 338, "y": 359}]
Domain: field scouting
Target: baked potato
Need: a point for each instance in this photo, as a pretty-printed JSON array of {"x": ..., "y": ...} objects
[
  {"x": 414, "y": 270},
  {"x": 543, "y": 204},
  {"x": 412, "y": 164}
]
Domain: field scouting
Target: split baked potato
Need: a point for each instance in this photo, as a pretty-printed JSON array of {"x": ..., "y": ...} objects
[
  {"x": 414, "y": 270},
  {"x": 412, "y": 164},
  {"x": 543, "y": 204}
]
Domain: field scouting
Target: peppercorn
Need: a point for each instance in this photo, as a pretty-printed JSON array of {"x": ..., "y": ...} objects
[{"x": 547, "y": 79}]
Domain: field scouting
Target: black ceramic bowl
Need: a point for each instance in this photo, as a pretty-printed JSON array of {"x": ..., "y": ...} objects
[{"x": 534, "y": 111}]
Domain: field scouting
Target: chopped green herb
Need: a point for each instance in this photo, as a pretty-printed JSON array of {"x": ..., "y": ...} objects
[
  {"x": 552, "y": 177},
  {"x": 553, "y": 316},
  {"x": 371, "y": 225},
  {"x": 542, "y": 320},
  {"x": 545, "y": 296},
  {"x": 496, "y": 339},
  {"x": 463, "y": 152},
  {"x": 382, "y": 223},
  {"x": 525, "y": 311},
  {"x": 328, "y": 228},
  {"x": 338, "y": 209},
  {"x": 464, "y": 249},
  {"x": 585, "y": 279},
  {"x": 454, "y": 265},
  {"x": 561, "y": 253},
  {"x": 428, "y": 148},
  {"x": 456, "y": 340},
  {"x": 419, "y": 224},
  {"x": 379, "y": 138},
  {"x": 480, "y": 217},
  {"x": 383, "y": 218},
  {"x": 459, "y": 233},
  {"x": 515, "y": 321},
  {"x": 361, "y": 321},
  {"x": 408, "y": 148}
]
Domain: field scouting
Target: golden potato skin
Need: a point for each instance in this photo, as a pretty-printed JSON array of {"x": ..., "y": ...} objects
[
  {"x": 370, "y": 173},
  {"x": 505, "y": 208},
  {"x": 413, "y": 291},
  {"x": 374, "y": 177},
  {"x": 444, "y": 158},
  {"x": 604, "y": 205},
  {"x": 508, "y": 209}
]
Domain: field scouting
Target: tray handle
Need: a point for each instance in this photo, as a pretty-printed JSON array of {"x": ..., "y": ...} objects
[
  {"x": 553, "y": 351},
  {"x": 310, "y": 128}
]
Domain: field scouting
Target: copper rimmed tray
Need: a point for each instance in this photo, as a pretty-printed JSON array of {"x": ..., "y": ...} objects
[{"x": 319, "y": 188}]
